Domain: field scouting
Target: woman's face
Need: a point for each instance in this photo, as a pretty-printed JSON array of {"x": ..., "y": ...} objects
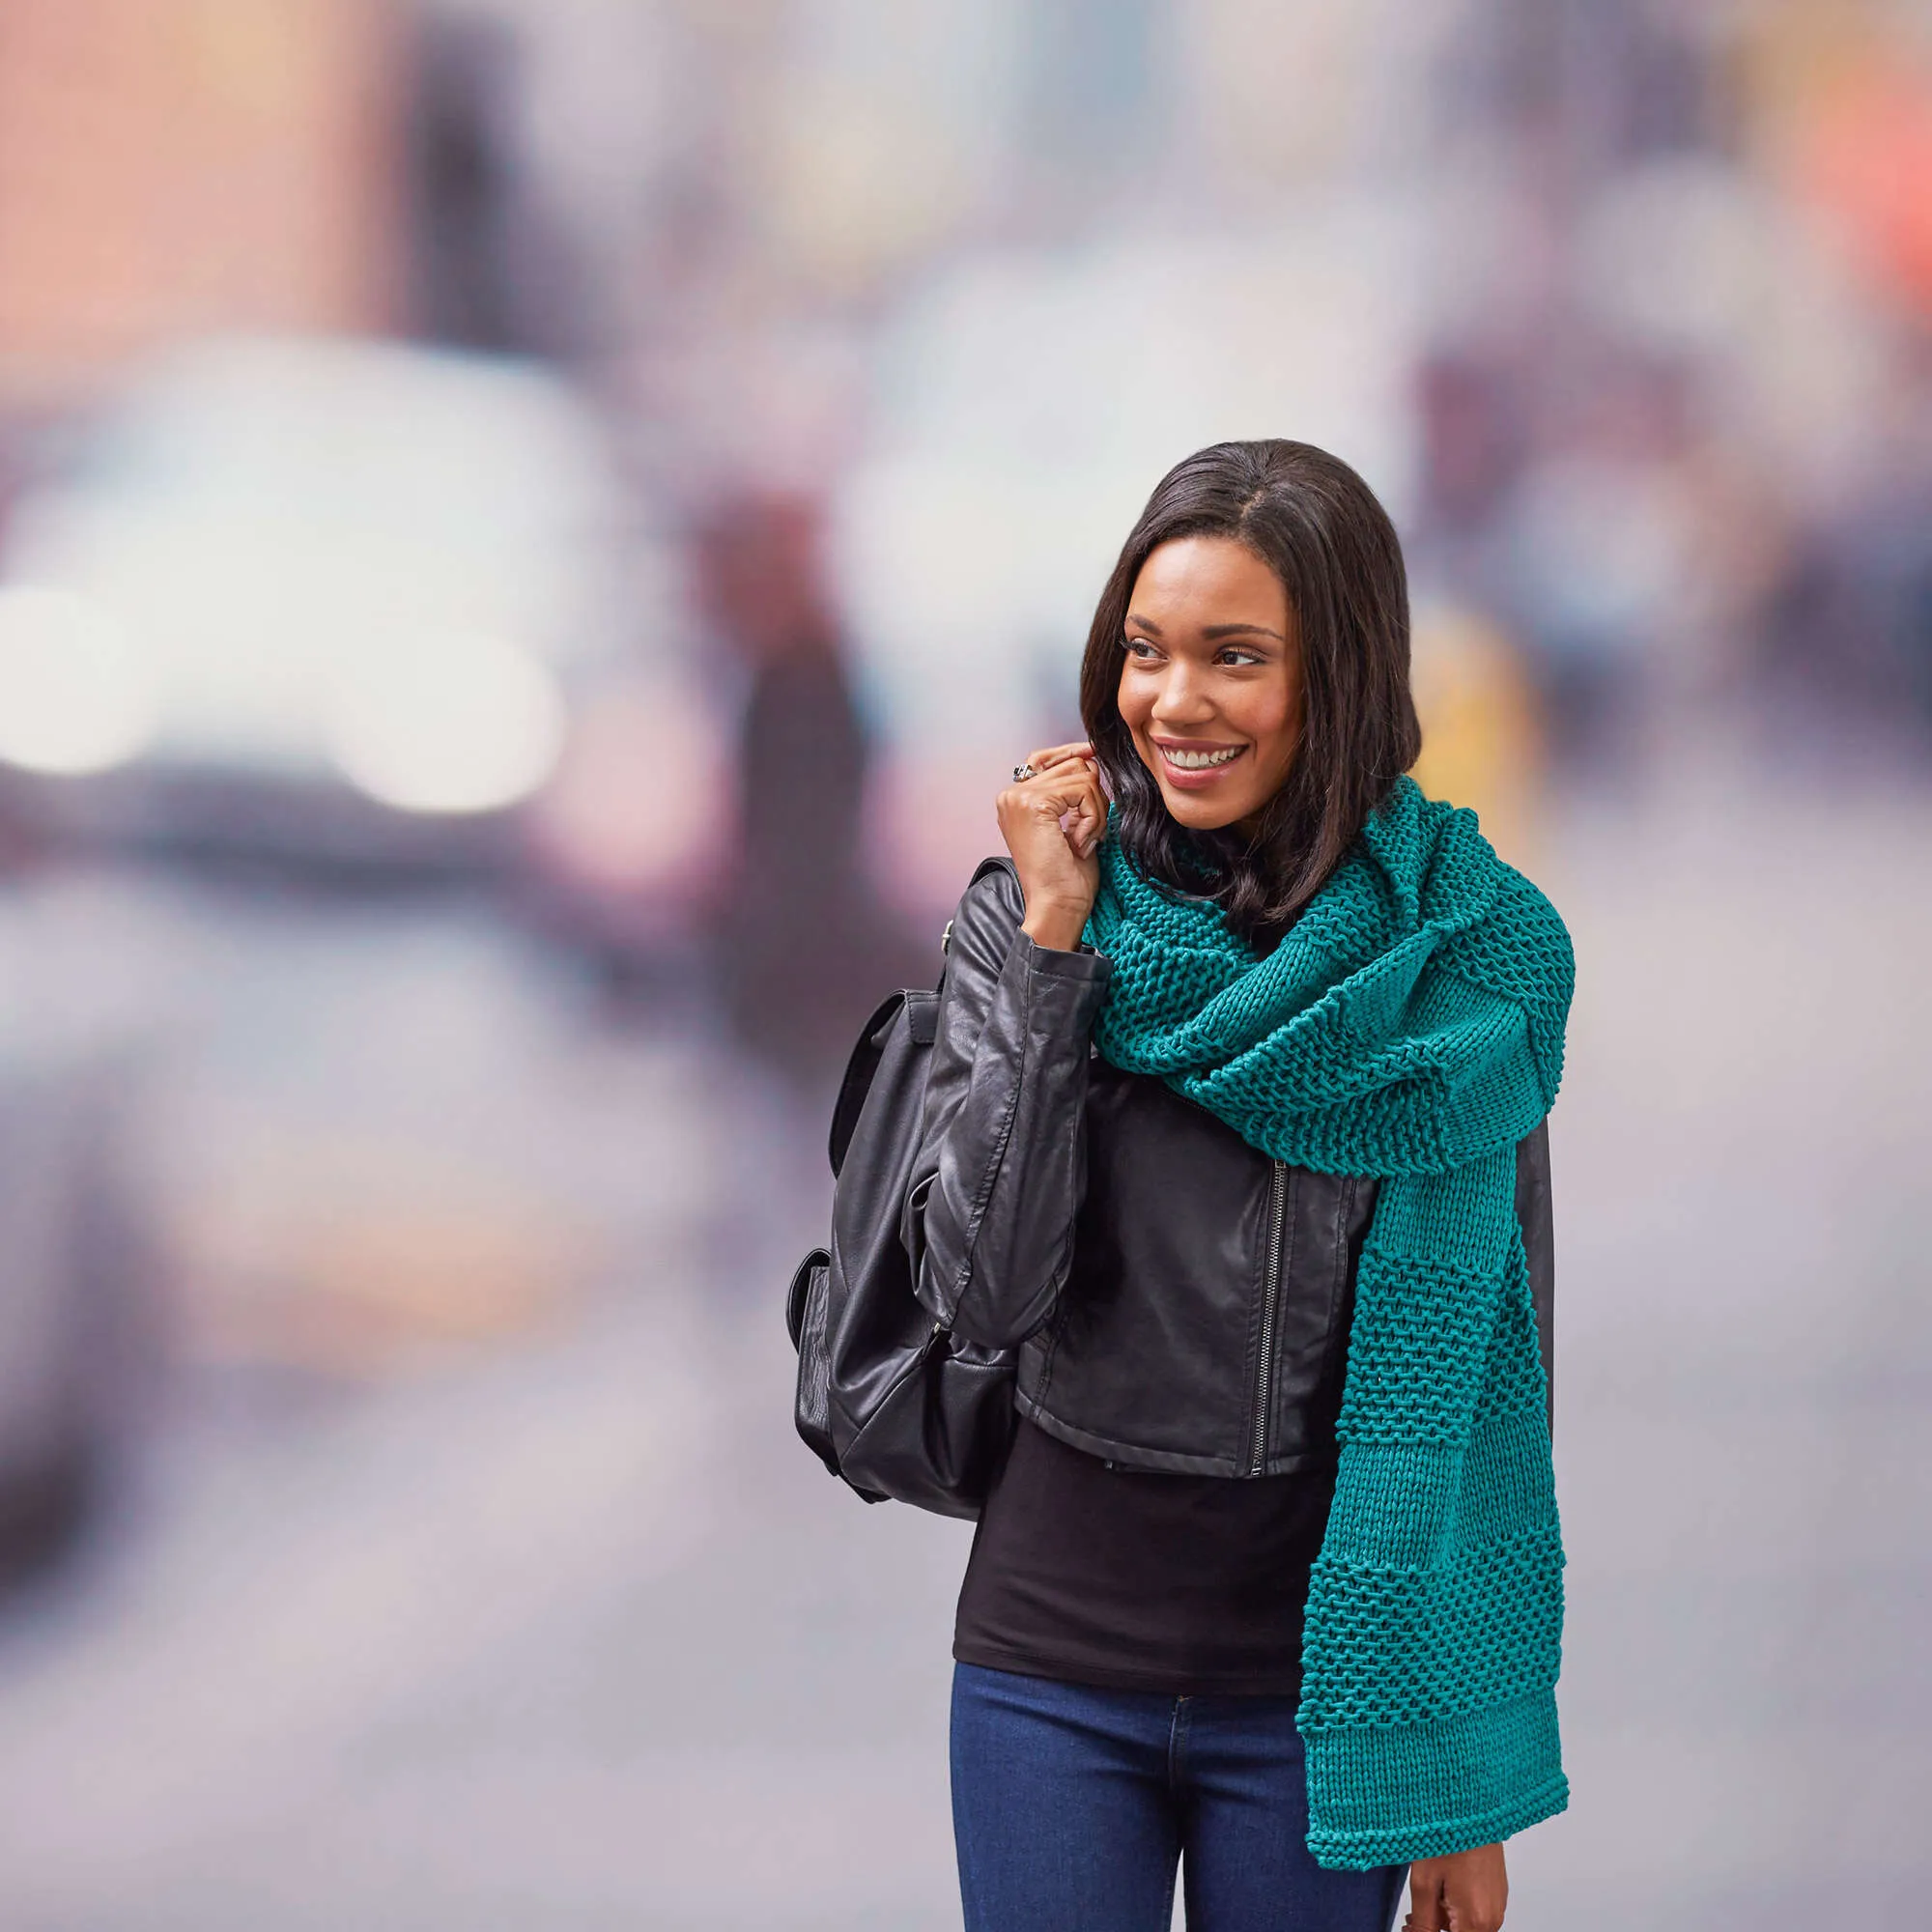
[{"x": 1210, "y": 680}]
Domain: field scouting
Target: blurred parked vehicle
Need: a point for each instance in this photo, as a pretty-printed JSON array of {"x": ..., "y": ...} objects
[{"x": 326, "y": 604}]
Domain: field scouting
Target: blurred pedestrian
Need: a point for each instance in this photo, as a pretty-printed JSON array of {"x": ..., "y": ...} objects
[{"x": 806, "y": 947}]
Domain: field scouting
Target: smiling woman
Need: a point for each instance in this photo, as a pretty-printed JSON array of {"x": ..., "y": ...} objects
[{"x": 1233, "y": 1134}]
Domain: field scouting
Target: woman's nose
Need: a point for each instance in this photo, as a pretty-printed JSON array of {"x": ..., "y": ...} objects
[{"x": 1181, "y": 699}]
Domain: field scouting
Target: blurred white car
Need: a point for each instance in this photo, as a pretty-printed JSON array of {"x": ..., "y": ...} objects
[{"x": 331, "y": 601}]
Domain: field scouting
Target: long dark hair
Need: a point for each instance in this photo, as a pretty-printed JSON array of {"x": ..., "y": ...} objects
[{"x": 1319, "y": 528}]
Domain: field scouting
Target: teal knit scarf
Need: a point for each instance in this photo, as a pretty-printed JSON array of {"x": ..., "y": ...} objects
[{"x": 1410, "y": 1026}]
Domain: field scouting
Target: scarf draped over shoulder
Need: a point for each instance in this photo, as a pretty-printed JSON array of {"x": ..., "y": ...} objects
[{"x": 1408, "y": 1026}]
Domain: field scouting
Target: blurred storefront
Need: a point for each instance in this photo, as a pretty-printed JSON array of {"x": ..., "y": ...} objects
[{"x": 165, "y": 171}]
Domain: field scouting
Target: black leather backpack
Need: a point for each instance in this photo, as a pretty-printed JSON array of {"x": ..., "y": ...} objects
[{"x": 887, "y": 1399}]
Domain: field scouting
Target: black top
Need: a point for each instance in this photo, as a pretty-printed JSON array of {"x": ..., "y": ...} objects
[{"x": 1139, "y": 1580}]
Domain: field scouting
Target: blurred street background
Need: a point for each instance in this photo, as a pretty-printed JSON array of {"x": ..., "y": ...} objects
[{"x": 530, "y": 533}]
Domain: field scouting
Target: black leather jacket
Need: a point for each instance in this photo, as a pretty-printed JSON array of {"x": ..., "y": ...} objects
[{"x": 1182, "y": 1301}]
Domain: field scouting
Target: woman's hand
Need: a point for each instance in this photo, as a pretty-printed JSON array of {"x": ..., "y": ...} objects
[
  {"x": 1052, "y": 824},
  {"x": 1465, "y": 1893}
]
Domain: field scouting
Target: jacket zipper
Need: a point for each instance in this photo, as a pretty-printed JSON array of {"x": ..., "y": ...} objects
[{"x": 1270, "y": 1292}]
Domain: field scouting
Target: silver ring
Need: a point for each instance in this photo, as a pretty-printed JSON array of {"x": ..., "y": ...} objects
[{"x": 1025, "y": 772}]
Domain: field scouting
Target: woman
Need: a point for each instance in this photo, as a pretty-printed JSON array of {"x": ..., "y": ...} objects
[{"x": 1235, "y": 1127}]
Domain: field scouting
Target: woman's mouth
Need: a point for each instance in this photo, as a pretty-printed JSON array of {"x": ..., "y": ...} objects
[{"x": 1192, "y": 766}]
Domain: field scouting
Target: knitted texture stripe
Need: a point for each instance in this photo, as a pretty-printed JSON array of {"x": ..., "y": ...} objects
[{"x": 1410, "y": 1026}]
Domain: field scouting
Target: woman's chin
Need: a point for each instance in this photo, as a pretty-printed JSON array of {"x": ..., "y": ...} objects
[{"x": 1202, "y": 811}]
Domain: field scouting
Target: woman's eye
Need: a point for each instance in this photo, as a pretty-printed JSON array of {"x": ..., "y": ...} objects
[{"x": 1139, "y": 647}]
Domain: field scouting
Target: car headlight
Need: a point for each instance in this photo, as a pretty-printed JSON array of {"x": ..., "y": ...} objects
[
  {"x": 445, "y": 722},
  {"x": 71, "y": 698}
]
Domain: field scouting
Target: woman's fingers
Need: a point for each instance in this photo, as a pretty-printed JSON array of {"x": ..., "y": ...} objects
[
  {"x": 1071, "y": 782},
  {"x": 1426, "y": 1909},
  {"x": 1071, "y": 791},
  {"x": 1058, "y": 755},
  {"x": 1464, "y": 1892}
]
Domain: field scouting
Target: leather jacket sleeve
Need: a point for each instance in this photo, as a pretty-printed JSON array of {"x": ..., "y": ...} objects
[
  {"x": 1000, "y": 1171},
  {"x": 1539, "y": 1242}
]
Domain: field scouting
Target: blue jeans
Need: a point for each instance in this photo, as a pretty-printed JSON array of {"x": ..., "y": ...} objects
[{"x": 1072, "y": 1805}]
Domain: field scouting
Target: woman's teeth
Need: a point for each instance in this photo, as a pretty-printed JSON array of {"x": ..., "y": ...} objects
[{"x": 1197, "y": 761}]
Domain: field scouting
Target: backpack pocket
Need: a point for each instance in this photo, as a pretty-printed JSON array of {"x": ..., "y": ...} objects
[{"x": 805, "y": 1315}]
